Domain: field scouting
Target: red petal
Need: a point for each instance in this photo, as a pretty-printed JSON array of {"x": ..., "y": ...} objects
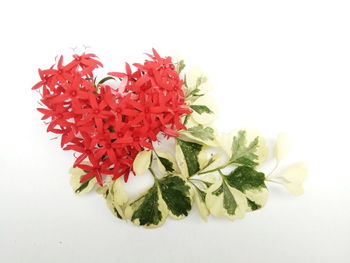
[
  {"x": 146, "y": 144},
  {"x": 38, "y": 85},
  {"x": 81, "y": 158},
  {"x": 128, "y": 69},
  {"x": 111, "y": 155},
  {"x": 93, "y": 101},
  {"x": 156, "y": 55},
  {"x": 74, "y": 148},
  {"x": 60, "y": 61},
  {"x": 117, "y": 74},
  {"x": 99, "y": 178},
  {"x": 59, "y": 99},
  {"x": 170, "y": 132},
  {"x": 87, "y": 177},
  {"x": 85, "y": 167}
]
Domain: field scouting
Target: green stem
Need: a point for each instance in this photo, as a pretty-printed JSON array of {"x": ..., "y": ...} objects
[
  {"x": 224, "y": 177},
  {"x": 186, "y": 120},
  {"x": 273, "y": 170},
  {"x": 216, "y": 169},
  {"x": 273, "y": 181},
  {"x": 153, "y": 174}
]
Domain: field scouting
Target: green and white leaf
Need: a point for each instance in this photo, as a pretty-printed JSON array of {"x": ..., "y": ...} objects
[
  {"x": 207, "y": 163},
  {"x": 195, "y": 94},
  {"x": 148, "y": 209},
  {"x": 262, "y": 150},
  {"x": 180, "y": 66},
  {"x": 120, "y": 196},
  {"x": 294, "y": 176},
  {"x": 81, "y": 188},
  {"x": 198, "y": 196},
  {"x": 181, "y": 161},
  {"x": 222, "y": 200},
  {"x": 200, "y": 134},
  {"x": 169, "y": 195},
  {"x": 116, "y": 197},
  {"x": 251, "y": 183},
  {"x": 186, "y": 154},
  {"x": 203, "y": 116},
  {"x": 166, "y": 162},
  {"x": 102, "y": 190},
  {"x": 194, "y": 78},
  {"x": 208, "y": 179},
  {"x": 200, "y": 109},
  {"x": 178, "y": 60},
  {"x": 176, "y": 194},
  {"x": 142, "y": 162},
  {"x": 225, "y": 141},
  {"x": 244, "y": 153}
]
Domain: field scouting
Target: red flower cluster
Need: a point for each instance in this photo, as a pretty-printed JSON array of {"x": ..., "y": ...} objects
[{"x": 110, "y": 126}]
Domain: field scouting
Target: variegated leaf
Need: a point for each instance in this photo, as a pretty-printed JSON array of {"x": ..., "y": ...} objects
[
  {"x": 207, "y": 163},
  {"x": 251, "y": 183},
  {"x": 166, "y": 162},
  {"x": 142, "y": 162},
  {"x": 78, "y": 187},
  {"x": 187, "y": 157},
  {"x": 175, "y": 193},
  {"x": 148, "y": 209},
  {"x": 200, "y": 134},
  {"x": 116, "y": 197},
  {"x": 244, "y": 153},
  {"x": 201, "y": 115},
  {"x": 169, "y": 195},
  {"x": 223, "y": 200},
  {"x": 198, "y": 196},
  {"x": 225, "y": 141}
]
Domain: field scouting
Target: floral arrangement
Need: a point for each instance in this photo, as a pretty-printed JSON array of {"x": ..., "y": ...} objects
[{"x": 125, "y": 130}]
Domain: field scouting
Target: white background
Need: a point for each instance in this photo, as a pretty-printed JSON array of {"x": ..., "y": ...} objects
[{"x": 275, "y": 65}]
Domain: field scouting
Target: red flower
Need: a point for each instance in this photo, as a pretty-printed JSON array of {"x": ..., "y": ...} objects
[
  {"x": 95, "y": 114},
  {"x": 83, "y": 146},
  {"x": 94, "y": 170},
  {"x": 110, "y": 126}
]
